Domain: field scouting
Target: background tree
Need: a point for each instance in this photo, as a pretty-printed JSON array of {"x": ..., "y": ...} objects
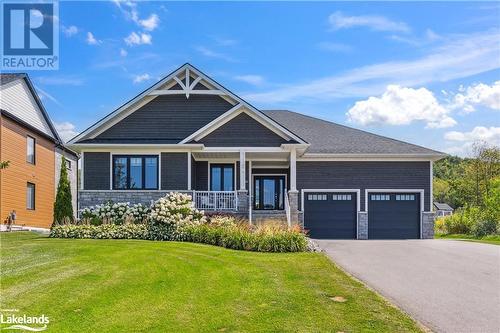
[
  {"x": 4, "y": 165},
  {"x": 63, "y": 207}
]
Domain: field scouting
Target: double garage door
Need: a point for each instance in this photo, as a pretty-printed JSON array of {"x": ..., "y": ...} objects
[{"x": 333, "y": 215}]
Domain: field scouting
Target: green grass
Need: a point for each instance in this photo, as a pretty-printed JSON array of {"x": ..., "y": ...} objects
[
  {"x": 146, "y": 286},
  {"x": 494, "y": 239}
]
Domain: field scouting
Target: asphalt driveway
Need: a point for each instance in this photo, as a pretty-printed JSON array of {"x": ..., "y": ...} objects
[{"x": 447, "y": 285}]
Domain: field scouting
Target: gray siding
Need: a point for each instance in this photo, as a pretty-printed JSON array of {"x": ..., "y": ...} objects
[
  {"x": 242, "y": 131},
  {"x": 174, "y": 171},
  {"x": 365, "y": 175},
  {"x": 201, "y": 169},
  {"x": 167, "y": 119},
  {"x": 96, "y": 171}
]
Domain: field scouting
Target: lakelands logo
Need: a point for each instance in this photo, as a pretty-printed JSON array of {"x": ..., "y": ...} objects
[
  {"x": 11, "y": 320},
  {"x": 30, "y": 36}
]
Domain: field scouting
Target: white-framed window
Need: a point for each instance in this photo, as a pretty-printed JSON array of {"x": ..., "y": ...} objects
[
  {"x": 30, "y": 149},
  {"x": 380, "y": 197},
  {"x": 405, "y": 197},
  {"x": 341, "y": 197},
  {"x": 68, "y": 164},
  {"x": 317, "y": 197},
  {"x": 30, "y": 196}
]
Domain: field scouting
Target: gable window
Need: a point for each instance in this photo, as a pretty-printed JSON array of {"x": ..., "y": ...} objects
[
  {"x": 222, "y": 177},
  {"x": 135, "y": 172},
  {"x": 30, "y": 149},
  {"x": 30, "y": 196}
]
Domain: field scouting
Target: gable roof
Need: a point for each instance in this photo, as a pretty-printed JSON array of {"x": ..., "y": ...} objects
[
  {"x": 175, "y": 84},
  {"x": 442, "y": 206},
  {"x": 7, "y": 78},
  {"x": 326, "y": 137}
]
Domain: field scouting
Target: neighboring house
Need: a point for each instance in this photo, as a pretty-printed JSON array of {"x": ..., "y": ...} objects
[
  {"x": 30, "y": 142},
  {"x": 442, "y": 209},
  {"x": 187, "y": 133}
]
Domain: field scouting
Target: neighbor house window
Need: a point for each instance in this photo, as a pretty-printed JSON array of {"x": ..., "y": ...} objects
[
  {"x": 30, "y": 196},
  {"x": 30, "y": 149},
  {"x": 222, "y": 177},
  {"x": 135, "y": 172},
  {"x": 68, "y": 164}
]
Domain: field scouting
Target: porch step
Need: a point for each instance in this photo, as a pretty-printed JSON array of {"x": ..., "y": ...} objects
[{"x": 268, "y": 216}]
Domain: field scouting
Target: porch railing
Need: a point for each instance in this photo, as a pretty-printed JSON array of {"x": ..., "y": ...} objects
[
  {"x": 216, "y": 200},
  {"x": 287, "y": 209}
]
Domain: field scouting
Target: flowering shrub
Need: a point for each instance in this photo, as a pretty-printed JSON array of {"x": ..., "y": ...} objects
[
  {"x": 176, "y": 209},
  {"x": 117, "y": 213}
]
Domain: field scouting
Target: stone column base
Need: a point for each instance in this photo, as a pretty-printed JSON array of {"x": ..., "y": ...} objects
[
  {"x": 362, "y": 225},
  {"x": 243, "y": 202},
  {"x": 293, "y": 200},
  {"x": 428, "y": 225}
]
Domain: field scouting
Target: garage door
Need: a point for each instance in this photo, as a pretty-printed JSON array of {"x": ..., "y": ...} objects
[
  {"x": 330, "y": 215},
  {"x": 393, "y": 215}
]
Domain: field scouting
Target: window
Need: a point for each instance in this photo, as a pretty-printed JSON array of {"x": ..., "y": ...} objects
[
  {"x": 380, "y": 197},
  {"x": 405, "y": 197},
  {"x": 317, "y": 197},
  {"x": 30, "y": 149},
  {"x": 222, "y": 177},
  {"x": 68, "y": 164},
  {"x": 342, "y": 197},
  {"x": 30, "y": 196},
  {"x": 135, "y": 172}
]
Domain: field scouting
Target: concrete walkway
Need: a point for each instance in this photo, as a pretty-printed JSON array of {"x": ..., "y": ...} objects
[{"x": 447, "y": 285}]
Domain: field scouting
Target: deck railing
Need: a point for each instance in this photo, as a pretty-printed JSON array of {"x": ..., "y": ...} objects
[{"x": 216, "y": 200}]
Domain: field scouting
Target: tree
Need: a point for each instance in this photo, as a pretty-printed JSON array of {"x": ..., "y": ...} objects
[
  {"x": 4, "y": 165},
  {"x": 63, "y": 207}
]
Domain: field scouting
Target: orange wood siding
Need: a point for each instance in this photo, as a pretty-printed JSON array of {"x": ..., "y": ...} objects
[{"x": 13, "y": 180}]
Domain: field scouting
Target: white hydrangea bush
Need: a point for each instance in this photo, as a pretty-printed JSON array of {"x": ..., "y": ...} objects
[
  {"x": 117, "y": 212},
  {"x": 176, "y": 209}
]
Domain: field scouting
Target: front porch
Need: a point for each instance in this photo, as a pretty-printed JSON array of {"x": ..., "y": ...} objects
[{"x": 254, "y": 183}]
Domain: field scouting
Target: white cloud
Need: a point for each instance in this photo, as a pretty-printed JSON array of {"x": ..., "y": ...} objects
[
  {"x": 141, "y": 78},
  {"x": 338, "y": 21},
  {"x": 466, "y": 140},
  {"x": 255, "y": 80},
  {"x": 69, "y": 31},
  {"x": 225, "y": 41},
  {"x": 401, "y": 106},
  {"x": 138, "y": 39},
  {"x": 334, "y": 47},
  {"x": 151, "y": 23},
  {"x": 479, "y": 94},
  {"x": 123, "y": 52},
  {"x": 91, "y": 40},
  {"x": 456, "y": 57},
  {"x": 66, "y": 130},
  {"x": 213, "y": 54},
  {"x": 43, "y": 94}
]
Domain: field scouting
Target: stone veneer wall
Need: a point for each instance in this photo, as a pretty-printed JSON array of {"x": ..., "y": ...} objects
[{"x": 362, "y": 225}]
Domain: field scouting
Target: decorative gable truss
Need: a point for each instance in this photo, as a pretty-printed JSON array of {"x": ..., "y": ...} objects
[{"x": 188, "y": 81}]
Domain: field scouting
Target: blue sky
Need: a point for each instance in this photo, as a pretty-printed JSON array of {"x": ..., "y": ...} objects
[{"x": 421, "y": 72}]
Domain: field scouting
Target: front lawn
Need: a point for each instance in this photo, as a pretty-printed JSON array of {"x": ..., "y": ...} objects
[
  {"x": 145, "y": 286},
  {"x": 492, "y": 239}
]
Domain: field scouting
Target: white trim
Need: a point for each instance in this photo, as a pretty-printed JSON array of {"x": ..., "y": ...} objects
[
  {"x": 270, "y": 166},
  {"x": 110, "y": 146},
  {"x": 189, "y": 170},
  {"x": 242, "y": 171},
  {"x": 230, "y": 115},
  {"x": 293, "y": 170},
  {"x": 307, "y": 157},
  {"x": 339, "y": 190},
  {"x": 250, "y": 192},
  {"x": 420, "y": 191},
  {"x": 186, "y": 92},
  {"x": 246, "y": 149}
]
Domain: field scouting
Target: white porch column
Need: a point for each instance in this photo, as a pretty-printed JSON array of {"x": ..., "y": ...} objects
[
  {"x": 189, "y": 170},
  {"x": 242, "y": 170},
  {"x": 293, "y": 170}
]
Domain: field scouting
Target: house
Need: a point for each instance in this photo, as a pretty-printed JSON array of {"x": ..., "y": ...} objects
[
  {"x": 442, "y": 209},
  {"x": 187, "y": 133},
  {"x": 29, "y": 141}
]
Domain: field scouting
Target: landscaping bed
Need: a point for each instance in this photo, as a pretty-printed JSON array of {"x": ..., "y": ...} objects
[{"x": 88, "y": 285}]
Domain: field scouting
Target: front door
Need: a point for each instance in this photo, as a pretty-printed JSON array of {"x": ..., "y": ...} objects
[{"x": 269, "y": 192}]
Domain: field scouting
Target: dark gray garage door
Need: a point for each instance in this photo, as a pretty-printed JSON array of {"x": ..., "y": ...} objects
[
  {"x": 330, "y": 215},
  {"x": 393, "y": 215}
]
